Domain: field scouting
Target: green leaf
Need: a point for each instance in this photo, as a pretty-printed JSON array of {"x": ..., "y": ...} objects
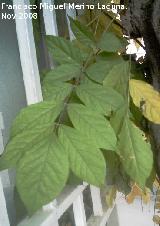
[
  {"x": 135, "y": 153},
  {"x": 112, "y": 58},
  {"x": 118, "y": 78},
  {"x": 82, "y": 33},
  {"x": 110, "y": 42},
  {"x": 85, "y": 160},
  {"x": 36, "y": 116},
  {"x": 99, "y": 70},
  {"x": 20, "y": 144},
  {"x": 118, "y": 118},
  {"x": 115, "y": 173},
  {"x": 62, "y": 73},
  {"x": 98, "y": 98},
  {"x": 57, "y": 91},
  {"x": 85, "y": 51},
  {"x": 28, "y": 129},
  {"x": 42, "y": 172},
  {"x": 63, "y": 51},
  {"x": 94, "y": 126}
]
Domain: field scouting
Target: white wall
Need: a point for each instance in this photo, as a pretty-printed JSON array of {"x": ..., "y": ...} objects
[{"x": 135, "y": 214}]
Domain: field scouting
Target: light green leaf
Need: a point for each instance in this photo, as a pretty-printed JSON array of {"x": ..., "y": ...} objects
[
  {"x": 28, "y": 129},
  {"x": 42, "y": 173},
  {"x": 63, "y": 51},
  {"x": 135, "y": 153},
  {"x": 82, "y": 33},
  {"x": 93, "y": 125},
  {"x": 86, "y": 161},
  {"x": 110, "y": 42},
  {"x": 62, "y": 73},
  {"x": 20, "y": 144},
  {"x": 98, "y": 98},
  {"x": 57, "y": 91},
  {"x": 36, "y": 116},
  {"x": 118, "y": 78}
]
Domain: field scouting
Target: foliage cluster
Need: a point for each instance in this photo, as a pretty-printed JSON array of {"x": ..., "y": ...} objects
[{"x": 87, "y": 123}]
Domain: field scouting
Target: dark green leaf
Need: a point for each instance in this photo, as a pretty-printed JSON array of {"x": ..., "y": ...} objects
[
  {"x": 100, "y": 70},
  {"x": 118, "y": 78},
  {"x": 110, "y": 42},
  {"x": 82, "y": 33},
  {"x": 63, "y": 51}
]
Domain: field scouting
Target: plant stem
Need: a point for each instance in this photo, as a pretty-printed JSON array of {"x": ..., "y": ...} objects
[{"x": 66, "y": 101}]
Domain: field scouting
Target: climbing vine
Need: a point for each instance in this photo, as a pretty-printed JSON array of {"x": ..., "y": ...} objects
[{"x": 89, "y": 121}]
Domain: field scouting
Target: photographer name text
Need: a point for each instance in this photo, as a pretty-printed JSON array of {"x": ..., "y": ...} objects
[{"x": 24, "y": 14}]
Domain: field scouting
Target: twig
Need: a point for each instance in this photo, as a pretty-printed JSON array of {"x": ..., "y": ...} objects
[{"x": 119, "y": 25}]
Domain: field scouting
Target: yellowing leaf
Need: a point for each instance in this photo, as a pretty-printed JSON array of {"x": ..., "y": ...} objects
[
  {"x": 156, "y": 185},
  {"x": 158, "y": 198},
  {"x": 130, "y": 198},
  {"x": 157, "y": 205},
  {"x": 147, "y": 99},
  {"x": 156, "y": 219},
  {"x": 146, "y": 196},
  {"x": 137, "y": 191}
]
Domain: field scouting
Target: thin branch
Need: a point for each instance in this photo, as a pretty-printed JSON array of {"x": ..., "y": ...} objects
[{"x": 120, "y": 26}]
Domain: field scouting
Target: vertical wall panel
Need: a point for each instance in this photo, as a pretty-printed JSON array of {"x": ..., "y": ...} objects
[
  {"x": 28, "y": 54},
  {"x": 12, "y": 95}
]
